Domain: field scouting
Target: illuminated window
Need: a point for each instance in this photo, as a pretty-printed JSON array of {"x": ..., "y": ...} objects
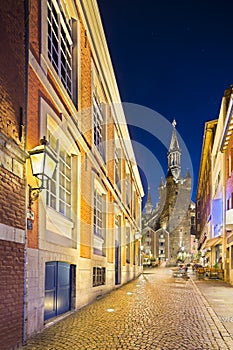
[
  {"x": 64, "y": 183},
  {"x": 117, "y": 168},
  {"x": 128, "y": 244},
  {"x": 98, "y": 218},
  {"x": 98, "y": 121},
  {"x": 128, "y": 190},
  {"x": 60, "y": 43},
  {"x": 59, "y": 187}
]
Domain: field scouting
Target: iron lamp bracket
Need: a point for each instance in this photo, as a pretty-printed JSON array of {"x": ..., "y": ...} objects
[{"x": 33, "y": 195}]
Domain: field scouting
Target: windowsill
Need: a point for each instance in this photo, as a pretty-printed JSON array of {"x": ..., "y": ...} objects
[
  {"x": 98, "y": 246},
  {"x": 99, "y": 285},
  {"x": 58, "y": 223}
]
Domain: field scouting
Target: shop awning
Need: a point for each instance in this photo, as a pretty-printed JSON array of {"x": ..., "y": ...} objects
[{"x": 212, "y": 242}]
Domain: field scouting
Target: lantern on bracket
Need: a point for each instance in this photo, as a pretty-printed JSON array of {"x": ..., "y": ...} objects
[{"x": 43, "y": 164}]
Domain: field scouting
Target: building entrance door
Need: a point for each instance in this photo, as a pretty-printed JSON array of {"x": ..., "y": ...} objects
[
  {"x": 117, "y": 263},
  {"x": 57, "y": 289}
]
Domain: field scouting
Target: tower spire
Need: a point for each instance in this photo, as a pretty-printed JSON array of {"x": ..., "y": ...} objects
[
  {"x": 149, "y": 204},
  {"x": 174, "y": 154}
]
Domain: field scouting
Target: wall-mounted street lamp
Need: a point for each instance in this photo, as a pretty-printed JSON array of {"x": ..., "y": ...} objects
[{"x": 43, "y": 164}]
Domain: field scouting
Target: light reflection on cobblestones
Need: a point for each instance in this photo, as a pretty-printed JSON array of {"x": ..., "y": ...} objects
[{"x": 155, "y": 311}]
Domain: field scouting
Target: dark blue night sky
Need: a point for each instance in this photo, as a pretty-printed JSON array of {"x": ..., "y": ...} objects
[{"x": 174, "y": 57}]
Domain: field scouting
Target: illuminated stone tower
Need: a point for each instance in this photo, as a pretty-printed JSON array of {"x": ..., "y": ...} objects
[
  {"x": 170, "y": 222},
  {"x": 174, "y": 154},
  {"x": 175, "y": 216}
]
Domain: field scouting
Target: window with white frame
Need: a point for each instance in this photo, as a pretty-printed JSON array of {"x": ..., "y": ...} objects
[
  {"x": 117, "y": 168},
  {"x": 59, "y": 187},
  {"x": 134, "y": 203},
  {"x": 98, "y": 214},
  {"x": 134, "y": 253},
  {"x": 64, "y": 183},
  {"x": 128, "y": 243},
  {"x": 128, "y": 190},
  {"x": 60, "y": 42},
  {"x": 98, "y": 124}
]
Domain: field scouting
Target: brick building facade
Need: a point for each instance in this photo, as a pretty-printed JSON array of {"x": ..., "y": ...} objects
[
  {"x": 79, "y": 237},
  {"x": 12, "y": 173},
  {"x": 84, "y": 235}
]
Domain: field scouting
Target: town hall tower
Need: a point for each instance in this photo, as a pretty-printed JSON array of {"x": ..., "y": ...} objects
[{"x": 170, "y": 226}]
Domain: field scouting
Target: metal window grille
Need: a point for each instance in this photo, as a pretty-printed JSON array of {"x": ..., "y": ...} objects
[{"x": 99, "y": 276}]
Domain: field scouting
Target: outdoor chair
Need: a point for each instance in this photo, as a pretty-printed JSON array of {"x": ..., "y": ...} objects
[{"x": 200, "y": 272}]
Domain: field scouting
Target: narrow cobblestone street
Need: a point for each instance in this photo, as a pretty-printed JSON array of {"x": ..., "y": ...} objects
[{"x": 156, "y": 311}]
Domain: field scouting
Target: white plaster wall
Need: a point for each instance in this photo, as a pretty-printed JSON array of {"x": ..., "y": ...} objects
[{"x": 35, "y": 293}]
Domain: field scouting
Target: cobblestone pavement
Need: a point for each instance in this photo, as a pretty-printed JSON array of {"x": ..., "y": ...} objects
[
  {"x": 219, "y": 296},
  {"x": 155, "y": 311}
]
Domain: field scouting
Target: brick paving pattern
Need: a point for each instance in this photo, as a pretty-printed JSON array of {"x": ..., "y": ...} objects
[{"x": 156, "y": 311}]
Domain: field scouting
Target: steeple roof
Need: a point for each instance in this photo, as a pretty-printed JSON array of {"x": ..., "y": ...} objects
[
  {"x": 174, "y": 154},
  {"x": 149, "y": 200},
  {"x": 148, "y": 204},
  {"x": 174, "y": 145}
]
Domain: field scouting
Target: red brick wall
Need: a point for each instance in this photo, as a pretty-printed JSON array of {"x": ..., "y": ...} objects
[
  {"x": 86, "y": 97},
  {"x": 35, "y": 28},
  {"x": 32, "y": 141},
  {"x": 11, "y": 294},
  {"x": 86, "y": 208},
  {"x": 12, "y": 200},
  {"x": 12, "y": 187},
  {"x": 12, "y": 72},
  {"x": 12, "y": 96}
]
